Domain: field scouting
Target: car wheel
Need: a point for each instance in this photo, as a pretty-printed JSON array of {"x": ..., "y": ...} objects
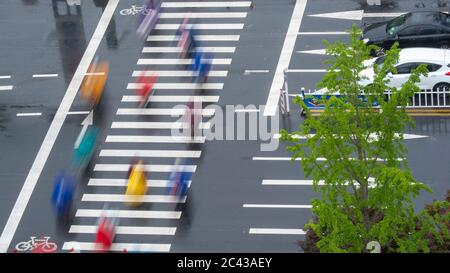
[{"x": 442, "y": 86}]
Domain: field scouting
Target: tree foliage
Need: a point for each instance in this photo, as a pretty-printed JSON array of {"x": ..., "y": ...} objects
[{"x": 368, "y": 187}]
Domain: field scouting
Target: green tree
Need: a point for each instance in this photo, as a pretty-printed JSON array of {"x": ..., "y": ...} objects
[{"x": 368, "y": 188}]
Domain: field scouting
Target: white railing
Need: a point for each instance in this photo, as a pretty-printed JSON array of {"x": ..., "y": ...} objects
[{"x": 428, "y": 98}]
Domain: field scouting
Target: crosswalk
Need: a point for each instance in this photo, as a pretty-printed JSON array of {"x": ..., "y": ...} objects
[{"x": 146, "y": 133}]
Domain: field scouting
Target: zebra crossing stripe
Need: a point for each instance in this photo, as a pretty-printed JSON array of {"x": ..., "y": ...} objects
[
  {"x": 178, "y": 86},
  {"x": 216, "y": 61},
  {"x": 160, "y": 111},
  {"x": 202, "y": 38},
  {"x": 278, "y": 231},
  {"x": 140, "y": 214},
  {"x": 172, "y": 98},
  {"x": 154, "y": 139},
  {"x": 150, "y": 153},
  {"x": 157, "y": 125},
  {"x": 129, "y": 230},
  {"x": 179, "y": 73},
  {"x": 199, "y": 26},
  {"x": 147, "y": 168},
  {"x": 128, "y": 198},
  {"x": 213, "y": 49},
  {"x": 194, "y": 15},
  {"x": 110, "y": 182},
  {"x": 83, "y": 246},
  {"x": 230, "y": 4}
]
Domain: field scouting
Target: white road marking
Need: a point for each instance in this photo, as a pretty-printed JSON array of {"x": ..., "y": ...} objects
[
  {"x": 140, "y": 214},
  {"x": 152, "y": 168},
  {"x": 199, "y": 26},
  {"x": 78, "y": 113},
  {"x": 5, "y": 77},
  {"x": 216, "y": 61},
  {"x": 373, "y": 136},
  {"x": 6, "y": 87},
  {"x": 314, "y": 51},
  {"x": 247, "y": 72},
  {"x": 202, "y": 38},
  {"x": 236, "y": 4},
  {"x": 307, "y": 70},
  {"x": 178, "y": 86},
  {"x": 180, "y": 15},
  {"x": 276, "y": 206},
  {"x": 52, "y": 133},
  {"x": 155, "y": 125},
  {"x": 278, "y": 231},
  {"x": 172, "y": 98},
  {"x": 120, "y": 247},
  {"x": 135, "y": 230},
  {"x": 179, "y": 73},
  {"x": 110, "y": 182},
  {"x": 289, "y": 182},
  {"x": 45, "y": 75},
  {"x": 155, "y": 139},
  {"x": 150, "y": 153},
  {"x": 214, "y": 49},
  {"x": 356, "y": 15},
  {"x": 324, "y": 33},
  {"x": 285, "y": 57},
  {"x": 160, "y": 111},
  {"x": 128, "y": 198},
  {"x": 246, "y": 110},
  {"x": 28, "y": 114}
]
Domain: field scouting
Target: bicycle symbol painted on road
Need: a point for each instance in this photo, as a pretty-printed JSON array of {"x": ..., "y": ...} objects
[
  {"x": 35, "y": 243},
  {"x": 135, "y": 10}
]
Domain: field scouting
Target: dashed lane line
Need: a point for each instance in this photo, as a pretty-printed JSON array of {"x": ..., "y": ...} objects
[
  {"x": 6, "y": 87},
  {"x": 45, "y": 75},
  {"x": 28, "y": 114},
  {"x": 5, "y": 77},
  {"x": 277, "y": 231}
]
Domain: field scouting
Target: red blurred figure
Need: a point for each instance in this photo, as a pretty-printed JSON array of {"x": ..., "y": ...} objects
[
  {"x": 146, "y": 89},
  {"x": 106, "y": 232}
]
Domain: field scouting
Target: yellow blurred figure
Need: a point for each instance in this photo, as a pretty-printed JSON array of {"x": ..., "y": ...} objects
[
  {"x": 92, "y": 87},
  {"x": 137, "y": 185}
]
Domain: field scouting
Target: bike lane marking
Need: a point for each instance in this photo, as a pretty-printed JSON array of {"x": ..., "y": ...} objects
[
  {"x": 285, "y": 58},
  {"x": 53, "y": 131}
]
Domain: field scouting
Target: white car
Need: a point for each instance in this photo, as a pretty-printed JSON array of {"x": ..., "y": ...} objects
[{"x": 437, "y": 61}]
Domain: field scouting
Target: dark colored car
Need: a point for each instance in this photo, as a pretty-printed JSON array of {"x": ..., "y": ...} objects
[{"x": 413, "y": 29}]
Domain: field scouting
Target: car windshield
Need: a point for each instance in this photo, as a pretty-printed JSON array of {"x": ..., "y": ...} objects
[
  {"x": 445, "y": 18},
  {"x": 394, "y": 25}
]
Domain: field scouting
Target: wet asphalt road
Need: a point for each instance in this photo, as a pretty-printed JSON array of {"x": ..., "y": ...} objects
[{"x": 38, "y": 40}]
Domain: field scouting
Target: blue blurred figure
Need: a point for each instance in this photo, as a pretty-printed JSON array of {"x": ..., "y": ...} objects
[
  {"x": 201, "y": 65},
  {"x": 63, "y": 194},
  {"x": 179, "y": 179}
]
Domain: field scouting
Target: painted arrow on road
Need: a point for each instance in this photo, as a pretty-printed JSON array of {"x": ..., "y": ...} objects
[
  {"x": 357, "y": 15},
  {"x": 314, "y": 51},
  {"x": 89, "y": 120},
  {"x": 373, "y": 136}
]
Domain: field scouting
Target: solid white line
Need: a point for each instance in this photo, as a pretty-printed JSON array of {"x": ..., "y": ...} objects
[
  {"x": 172, "y": 98},
  {"x": 128, "y": 198},
  {"x": 120, "y": 247},
  {"x": 150, "y": 153},
  {"x": 277, "y": 206},
  {"x": 214, "y": 49},
  {"x": 237, "y": 4},
  {"x": 135, "y": 230},
  {"x": 53, "y": 131},
  {"x": 155, "y": 125},
  {"x": 28, "y": 114},
  {"x": 155, "y": 139},
  {"x": 6, "y": 87},
  {"x": 280, "y": 231},
  {"x": 78, "y": 113},
  {"x": 188, "y": 85},
  {"x": 110, "y": 182},
  {"x": 180, "y": 15},
  {"x": 199, "y": 26},
  {"x": 5, "y": 77},
  {"x": 145, "y": 214},
  {"x": 179, "y": 73},
  {"x": 298, "y": 159},
  {"x": 160, "y": 111},
  {"x": 285, "y": 57},
  {"x": 203, "y": 38},
  {"x": 44, "y": 75},
  {"x": 246, "y": 110},
  {"x": 324, "y": 33},
  {"x": 152, "y": 168},
  {"x": 216, "y": 61}
]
